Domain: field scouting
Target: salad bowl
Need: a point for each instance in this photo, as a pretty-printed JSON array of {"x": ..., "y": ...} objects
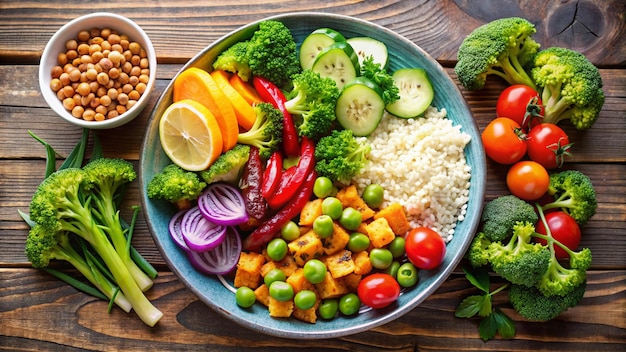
[{"x": 214, "y": 291}]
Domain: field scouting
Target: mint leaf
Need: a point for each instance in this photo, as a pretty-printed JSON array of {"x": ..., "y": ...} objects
[
  {"x": 488, "y": 327},
  {"x": 469, "y": 307}
]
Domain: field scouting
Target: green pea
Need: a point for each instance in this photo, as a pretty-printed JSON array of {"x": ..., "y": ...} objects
[
  {"x": 332, "y": 207},
  {"x": 314, "y": 271},
  {"x": 322, "y": 187},
  {"x": 397, "y": 246},
  {"x": 277, "y": 249},
  {"x": 358, "y": 242},
  {"x": 323, "y": 226},
  {"x": 305, "y": 299},
  {"x": 245, "y": 297},
  {"x": 381, "y": 258},
  {"x": 393, "y": 269},
  {"x": 328, "y": 308},
  {"x": 350, "y": 218},
  {"x": 373, "y": 195},
  {"x": 274, "y": 275},
  {"x": 407, "y": 275},
  {"x": 290, "y": 231},
  {"x": 281, "y": 291},
  {"x": 349, "y": 304}
]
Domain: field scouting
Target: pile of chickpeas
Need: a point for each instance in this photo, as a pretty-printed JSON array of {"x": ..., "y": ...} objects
[{"x": 101, "y": 74}]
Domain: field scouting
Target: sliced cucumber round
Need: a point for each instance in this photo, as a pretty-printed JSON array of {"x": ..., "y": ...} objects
[
  {"x": 339, "y": 62},
  {"x": 366, "y": 46},
  {"x": 416, "y": 93},
  {"x": 315, "y": 42},
  {"x": 360, "y": 106}
]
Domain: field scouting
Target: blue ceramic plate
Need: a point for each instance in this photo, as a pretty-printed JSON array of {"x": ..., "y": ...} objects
[{"x": 209, "y": 289}]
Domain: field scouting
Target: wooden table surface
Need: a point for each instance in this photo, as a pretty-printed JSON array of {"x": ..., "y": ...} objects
[{"x": 38, "y": 312}]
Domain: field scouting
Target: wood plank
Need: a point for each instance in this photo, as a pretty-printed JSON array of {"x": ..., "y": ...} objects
[
  {"x": 179, "y": 28},
  {"x": 30, "y": 297}
]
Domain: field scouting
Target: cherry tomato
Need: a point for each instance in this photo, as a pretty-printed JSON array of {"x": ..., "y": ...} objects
[
  {"x": 425, "y": 248},
  {"x": 504, "y": 141},
  {"x": 528, "y": 180},
  {"x": 514, "y": 102},
  {"x": 548, "y": 145},
  {"x": 563, "y": 229},
  {"x": 378, "y": 290}
]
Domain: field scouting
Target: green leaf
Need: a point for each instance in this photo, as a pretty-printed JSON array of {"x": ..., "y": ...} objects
[
  {"x": 488, "y": 327},
  {"x": 26, "y": 218},
  {"x": 96, "y": 151},
  {"x": 485, "y": 307},
  {"x": 50, "y": 155},
  {"x": 77, "y": 284},
  {"x": 469, "y": 307},
  {"x": 506, "y": 325},
  {"x": 77, "y": 155},
  {"x": 479, "y": 277}
]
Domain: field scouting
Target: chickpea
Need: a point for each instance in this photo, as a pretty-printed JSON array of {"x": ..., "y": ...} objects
[
  {"x": 83, "y": 36},
  {"x": 103, "y": 78},
  {"x": 123, "y": 78},
  {"x": 113, "y": 39},
  {"x": 71, "y": 55},
  {"x": 135, "y": 71},
  {"x": 99, "y": 117},
  {"x": 144, "y": 63},
  {"x": 71, "y": 44},
  {"x": 105, "y": 100},
  {"x": 134, "y": 48},
  {"x": 133, "y": 80},
  {"x": 141, "y": 87},
  {"x": 105, "y": 32},
  {"x": 55, "y": 84},
  {"x": 78, "y": 111},
  {"x": 83, "y": 49},
  {"x": 62, "y": 59},
  {"x": 68, "y": 91},
  {"x": 122, "y": 98},
  {"x": 112, "y": 114},
  {"x": 89, "y": 115},
  {"x": 94, "y": 32},
  {"x": 91, "y": 74},
  {"x": 74, "y": 75},
  {"x": 68, "y": 103},
  {"x": 114, "y": 73},
  {"x": 97, "y": 56},
  {"x": 134, "y": 95},
  {"x": 112, "y": 93}
]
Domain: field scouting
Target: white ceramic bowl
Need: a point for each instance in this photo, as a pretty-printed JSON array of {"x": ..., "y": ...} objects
[{"x": 56, "y": 45}]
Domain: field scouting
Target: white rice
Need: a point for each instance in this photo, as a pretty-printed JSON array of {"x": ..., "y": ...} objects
[{"x": 421, "y": 164}]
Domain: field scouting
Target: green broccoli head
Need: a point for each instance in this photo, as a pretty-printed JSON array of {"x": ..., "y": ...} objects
[
  {"x": 235, "y": 59},
  {"x": 228, "y": 167},
  {"x": 502, "y": 48},
  {"x": 340, "y": 156},
  {"x": 272, "y": 52},
  {"x": 561, "y": 281},
  {"x": 574, "y": 194},
  {"x": 106, "y": 176},
  {"x": 570, "y": 86},
  {"x": 266, "y": 133},
  {"x": 502, "y": 213},
  {"x": 42, "y": 246},
  {"x": 531, "y": 304},
  {"x": 176, "y": 185},
  {"x": 478, "y": 252},
  {"x": 520, "y": 261}
]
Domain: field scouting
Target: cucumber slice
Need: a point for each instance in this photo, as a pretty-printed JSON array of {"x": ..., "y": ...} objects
[
  {"x": 416, "y": 93},
  {"x": 315, "y": 42},
  {"x": 360, "y": 106},
  {"x": 366, "y": 46},
  {"x": 339, "y": 62}
]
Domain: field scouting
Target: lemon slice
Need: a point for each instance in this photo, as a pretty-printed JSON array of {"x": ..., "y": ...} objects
[{"x": 190, "y": 135}]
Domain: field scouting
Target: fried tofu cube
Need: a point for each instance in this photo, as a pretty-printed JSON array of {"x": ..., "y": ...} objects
[
  {"x": 312, "y": 209},
  {"x": 280, "y": 309},
  {"x": 339, "y": 264},
  {"x": 306, "y": 247},
  {"x": 337, "y": 241},
  {"x": 396, "y": 217},
  {"x": 299, "y": 282},
  {"x": 380, "y": 233},
  {"x": 331, "y": 287},
  {"x": 249, "y": 269},
  {"x": 351, "y": 281},
  {"x": 262, "y": 294},
  {"x": 349, "y": 197},
  {"x": 362, "y": 263},
  {"x": 306, "y": 315},
  {"x": 287, "y": 265}
]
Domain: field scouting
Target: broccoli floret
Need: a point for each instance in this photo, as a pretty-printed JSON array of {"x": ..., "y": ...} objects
[
  {"x": 500, "y": 214},
  {"x": 502, "y": 48},
  {"x": 228, "y": 167},
  {"x": 313, "y": 99},
  {"x": 43, "y": 245},
  {"x": 520, "y": 261},
  {"x": 340, "y": 156},
  {"x": 574, "y": 194},
  {"x": 267, "y": 131},
  {"x": 377, "y": 74},
  {"x": 570, "y": 86},
  {"x": 531, "y": 304},
  {"x": 176, "y": 185},
  {"x": 478, "y": 252},
  {"x": 235, "y": 59},
  {"x": 62, "y": 203}
]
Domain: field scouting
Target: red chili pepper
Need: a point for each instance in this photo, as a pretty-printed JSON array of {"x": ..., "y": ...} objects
[
  {"x": 293, "y": 177},
  {"x": 270, "y": 93},
  {"x": 256, "y": 206},
  {"x": 270, "y": 228},
  {"x": 272, "y": 175}
]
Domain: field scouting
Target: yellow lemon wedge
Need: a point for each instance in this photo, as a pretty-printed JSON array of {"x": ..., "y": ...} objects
[{"x": 190, "y": 135}]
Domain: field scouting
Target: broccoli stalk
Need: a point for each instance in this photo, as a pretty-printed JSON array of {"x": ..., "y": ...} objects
[
  {"x": 313, "y": 98},
  {"x": 570, "y": 87},
  {"x": 340, "y": 156},
  {"x": 62, "y": 204},
  {"x": 501, "y": 48},
  {"x": 106, "y": 178},
  {"x": 266, "y": 133},
  {"x": 574, "y": 194},
  {"x": 176, "y": 185}
]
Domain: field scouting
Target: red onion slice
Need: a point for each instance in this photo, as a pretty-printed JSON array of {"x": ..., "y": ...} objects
[
  {"x": 175, "y": 229},
  {"x": 199, "y": 233},
  {"x": 223, "y": 204},
  {"x": 222, "y": 259}
]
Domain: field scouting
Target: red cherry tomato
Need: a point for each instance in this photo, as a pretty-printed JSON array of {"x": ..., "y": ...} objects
[
  {"x": 548, "y": 145},
  {"x": 528, "y": 180},
  {"x": 503, "y": 141},
  {"x": 514, "y": 102},
  {"x": 425, "y": 248},
  {"x": 378, "y": 290},
  {"x": 563, "y": 229}
]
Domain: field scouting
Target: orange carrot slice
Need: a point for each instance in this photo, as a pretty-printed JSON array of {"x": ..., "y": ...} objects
[
  {"x": 244, "y": 111},
  {"x": 246, "y": 90},
  {"x": 197, "y": 84}
]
